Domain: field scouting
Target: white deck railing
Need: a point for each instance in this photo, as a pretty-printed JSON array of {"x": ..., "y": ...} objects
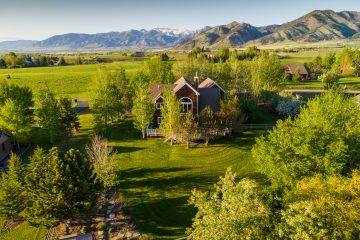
[{"x": 153, "y": 132}]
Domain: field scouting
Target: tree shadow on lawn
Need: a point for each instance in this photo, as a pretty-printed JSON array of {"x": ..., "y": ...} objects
[
  {"x": 158, "y": 199},
  {"x": 122, "y": 149}
]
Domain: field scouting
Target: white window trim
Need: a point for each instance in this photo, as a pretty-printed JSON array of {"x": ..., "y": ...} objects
[
  {"x": 158, "y": 105},
  {"x": 186, "y": 103},
  {"x": 159, "y": 120}
]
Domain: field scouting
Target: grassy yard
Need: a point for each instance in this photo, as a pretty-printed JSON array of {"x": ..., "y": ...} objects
[{"x": 157, "y": 179}]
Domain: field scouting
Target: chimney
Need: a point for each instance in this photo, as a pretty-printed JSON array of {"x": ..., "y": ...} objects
[{"x": 196, "y": 80}]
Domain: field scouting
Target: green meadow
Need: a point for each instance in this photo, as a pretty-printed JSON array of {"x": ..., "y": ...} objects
[{"x": 73, "y": 81}]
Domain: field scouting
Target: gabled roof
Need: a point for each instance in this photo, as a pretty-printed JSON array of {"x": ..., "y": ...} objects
[
  {"x": 156, "y": 90},
  {"x": 183, "y": 82},
  {"x": 209, "y": 83},
  {"x": 291, "y": 68}
]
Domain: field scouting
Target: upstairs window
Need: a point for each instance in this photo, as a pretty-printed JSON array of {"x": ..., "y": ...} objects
[
  {"x": 186, "y": 105},
  {"x": 158, "y": 105}
]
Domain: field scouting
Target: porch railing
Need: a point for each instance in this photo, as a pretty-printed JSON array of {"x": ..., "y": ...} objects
[{"x": 153, "y": 132}]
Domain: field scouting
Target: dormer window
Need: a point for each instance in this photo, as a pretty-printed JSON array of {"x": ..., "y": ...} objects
[{"x": 186, "y": 105}]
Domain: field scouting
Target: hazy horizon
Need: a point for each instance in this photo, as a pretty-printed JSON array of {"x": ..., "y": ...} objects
[{"x": 40, "y": 19}]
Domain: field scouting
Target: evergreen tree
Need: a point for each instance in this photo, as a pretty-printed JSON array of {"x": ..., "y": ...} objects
[
  {"x": 12, "y": 200},
  {"x": 48, "y": 114},
  {"x": 170, "y": 111},
  {"x": 69, "y": 117},
  {"x": 59, "y": 186},
  {"x": 127, "y": 92},
  {"x": 14, "y": 121},
  {"x": 143, "y": 108}
]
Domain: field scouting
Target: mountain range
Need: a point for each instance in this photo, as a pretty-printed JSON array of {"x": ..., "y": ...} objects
[{"x": 318, "y": 25}]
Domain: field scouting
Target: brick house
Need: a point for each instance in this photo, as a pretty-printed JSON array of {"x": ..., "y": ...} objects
[{"x": 192, "y": 96}]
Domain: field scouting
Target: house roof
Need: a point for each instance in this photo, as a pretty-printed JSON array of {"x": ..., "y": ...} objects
[
  {"x": 209, "y": 83},
  {"x": 291, "y": 68},
  {"x": 156, "y": 89},
  {"x": 209, "y": 97}
]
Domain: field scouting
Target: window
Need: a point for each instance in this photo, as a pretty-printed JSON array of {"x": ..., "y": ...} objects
[
  {"x": 159, "y": 120},
  {"x": 186, "y": 105},
  {"x": 158, "y": 105},
  {"x": 3, "y": 146}
]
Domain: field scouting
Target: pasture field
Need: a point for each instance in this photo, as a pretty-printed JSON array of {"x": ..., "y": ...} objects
[{"x": 73, "y": 81}]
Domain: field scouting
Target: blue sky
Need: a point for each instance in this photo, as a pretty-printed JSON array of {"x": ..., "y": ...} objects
[{"x": 39, "y": 19}]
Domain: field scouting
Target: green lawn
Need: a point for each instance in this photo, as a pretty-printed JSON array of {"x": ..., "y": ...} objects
[
  {"x": 157, "y": 179},
  {"x": 351, "y": 83},
  {"x": 24, "y": 232},
  {"x": 73, "y": 81}
]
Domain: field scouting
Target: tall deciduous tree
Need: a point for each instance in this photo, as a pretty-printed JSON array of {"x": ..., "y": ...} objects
[
  {"x": 21, "y": 95},
  {"x": 322, "y": 208},
  {"x": 107, "y": 99},
  {"x": 12, "y": 189},
  {"x": 267, "y": 74},
  {"x": 230, "y": 112},
  {"x": 158, "y": 71},
  {"x": 189, "y": 128},
  {"x": 143, "y": 108},
  {"x": 323, "y": 139},
  {"x": 59, "y": 186},
  {"x": 209, "y": 124},
  {"x": 14, "y": 121},
  {"x": 233, "y": 210},
  {"x": 48, "y": 114},
  {"x": 99, "y": 153},
  {"x": 170, "y": 111}
]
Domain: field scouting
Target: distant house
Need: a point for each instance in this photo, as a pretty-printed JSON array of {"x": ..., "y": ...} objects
[
  {"x": 5, "y": 145},
  {"x": 193, "y": 96},
  {"x": 292, "y": 68},
  {"x": 139, "y": 54}
]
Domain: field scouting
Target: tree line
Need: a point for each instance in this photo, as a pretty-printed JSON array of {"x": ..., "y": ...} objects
[{"x": 311, "y": 163}]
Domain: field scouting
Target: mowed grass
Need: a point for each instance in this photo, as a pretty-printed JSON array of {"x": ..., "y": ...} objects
[
  {"x": 72, "y": 81},
  {"x": 156, "y": 179}
]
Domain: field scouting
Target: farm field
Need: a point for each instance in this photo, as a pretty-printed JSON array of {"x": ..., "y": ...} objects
[{"x": 72, "y": 81}]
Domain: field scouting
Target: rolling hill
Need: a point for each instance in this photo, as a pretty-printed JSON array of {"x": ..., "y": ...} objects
[{"x": 318, "y": 25}]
